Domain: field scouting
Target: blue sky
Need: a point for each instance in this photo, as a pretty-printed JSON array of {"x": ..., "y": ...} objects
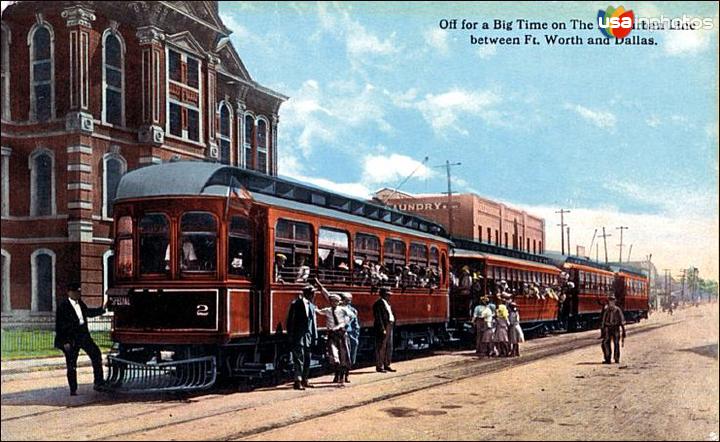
[{"x": 619, "y": 134}]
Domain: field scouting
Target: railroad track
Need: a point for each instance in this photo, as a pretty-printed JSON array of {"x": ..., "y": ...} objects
[{"x": 424, "y": 379}]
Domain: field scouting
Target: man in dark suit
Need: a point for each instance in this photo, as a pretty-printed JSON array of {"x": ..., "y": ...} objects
[
  {"x": 611, "y": 323},
  {"x": 384, "y": 322},
  {"x": 72, "y": 334},
  {"x": 302, "y": 332}
]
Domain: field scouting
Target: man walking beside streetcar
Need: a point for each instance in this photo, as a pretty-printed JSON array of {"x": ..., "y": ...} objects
[
  {"x": 612, "y": 321},
  {"x": 384, "y": 322},
  {"x": 302, "y": 333}
]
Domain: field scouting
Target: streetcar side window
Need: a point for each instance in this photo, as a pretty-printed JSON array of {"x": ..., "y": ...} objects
[
  {"x": 294, "y": 255},
  {"x": 434, "y": 275},
  {"x": 394, "y": 260},
  {"x": 367, "y": 256},
  {"x": 239, "y": 247},
  {"x": 333, "y": 255},
  {"x": 154, "y": 244},
  {"x": 197, "y": 249},
  {"x": 124, "y": 247},
  {"x": 418, "y": 273}
]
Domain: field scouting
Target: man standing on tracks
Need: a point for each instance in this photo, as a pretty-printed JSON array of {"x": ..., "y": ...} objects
[
  {"x": 384, "y": 322},
  {"x": 72, "y": 334},
  {"x": 613, "y": 320},
  {"x": 302, "y": 333}
]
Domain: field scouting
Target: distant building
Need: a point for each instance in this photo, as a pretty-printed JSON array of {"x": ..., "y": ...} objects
[
  {"x": 474, "y": 217},
  {"x": 91, "y": 90}
]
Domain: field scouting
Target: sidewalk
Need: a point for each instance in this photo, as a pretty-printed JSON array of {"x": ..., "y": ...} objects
[{"x": 36, "y": 364}]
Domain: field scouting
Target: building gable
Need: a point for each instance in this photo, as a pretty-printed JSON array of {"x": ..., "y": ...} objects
[
  {"x": 230, "y": 61},
  {"x": 205, "y": 12},
  {"x": 185, "y": 41}
]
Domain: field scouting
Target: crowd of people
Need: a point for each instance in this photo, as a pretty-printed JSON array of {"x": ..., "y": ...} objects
[
  {"x": 343, "y": 333},
  {"x": 364, "y": 272},
  {"x": 497, "y": 326}
]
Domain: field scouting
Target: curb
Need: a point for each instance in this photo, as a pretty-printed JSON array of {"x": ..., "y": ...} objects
[{"x": 25, "y": 367}]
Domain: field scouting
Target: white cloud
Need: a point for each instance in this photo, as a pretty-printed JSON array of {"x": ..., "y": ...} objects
[
  {"x": 442, "y": 111},
  {"x": 391, "y": 169},
  {"x": 601, "y": 119},
  {"x": 239, "y": 30},
  {"x": 378, "y": 170},
  {"x": 653, "y": 121},
  {"x": 359, "y": 41},
  {"x": 486, "y": 51},
  {"x": 319, "y": 115},
  {"x": 437, "y": 39},
  {"x": 686, "y": 42}
]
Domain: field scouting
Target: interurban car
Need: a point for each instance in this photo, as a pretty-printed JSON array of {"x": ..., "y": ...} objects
[{"x": 209, "y": 257}]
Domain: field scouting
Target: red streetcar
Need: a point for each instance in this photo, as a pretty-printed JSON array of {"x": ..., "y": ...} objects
[
  {"x": 533, "y": 281},
  {"x": 208, "y": 258}
]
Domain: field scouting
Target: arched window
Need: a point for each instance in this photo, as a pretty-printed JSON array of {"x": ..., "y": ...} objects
[
  {"x": 42, "y": 263},
  {"x": 248, "y": 140},
  {"x": 225, "y": 135},
  {"x": 114, "y": 166},
  {"x": 5, "y": 259},
  {"x": 5, "y": 71},
  {"x": 262, "y": 145},
  {"x": 42, "y": 72},
  {"x": 113, "y": 79},
  {"x": 42, "y": 183}
]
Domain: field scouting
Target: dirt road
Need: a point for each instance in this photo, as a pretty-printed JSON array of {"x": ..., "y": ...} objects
[{"x": 666, "y": 388}]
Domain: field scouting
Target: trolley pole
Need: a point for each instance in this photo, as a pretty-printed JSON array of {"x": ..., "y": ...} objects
[
  {"x": 621, "y": 228},
  {"x": 562, "y": 212}
]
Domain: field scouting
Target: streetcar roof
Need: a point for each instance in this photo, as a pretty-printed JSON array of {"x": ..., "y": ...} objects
[
  {"x": 322, "y": 211},
  {"x": 193, "y": 178},
  {"x": 561, "y": 260},
  {"x": 502, "y": 259}
]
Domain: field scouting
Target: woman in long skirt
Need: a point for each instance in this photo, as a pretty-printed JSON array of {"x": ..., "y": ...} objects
[
  {"x": 516, "y": 334},
  {"x": 501, "y": 331}
]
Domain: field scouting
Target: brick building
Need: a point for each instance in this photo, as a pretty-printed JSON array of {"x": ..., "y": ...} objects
[
  {"x": 475, "y": 218},
  {"x": 89, "y": 91}
]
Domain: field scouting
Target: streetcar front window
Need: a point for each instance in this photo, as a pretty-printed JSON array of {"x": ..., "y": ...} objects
[
  {"x": 239, "y": 247},
  {"x": 197, "y": 249},
  {"x": 154, "y": 240},
  {"x": 124, "y": 247}
]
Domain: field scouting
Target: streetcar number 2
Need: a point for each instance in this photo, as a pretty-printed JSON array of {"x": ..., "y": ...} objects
[{"x": 202, "y": 310}]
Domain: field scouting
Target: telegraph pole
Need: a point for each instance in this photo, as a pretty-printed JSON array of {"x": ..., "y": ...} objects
[
  {"x": 621, "y": 228},
  {"x": 562, "y": 230},
  {"x": 447, "y": 167},
  {"x": 568, "y": 235},
  {"x": 629, "y": 253},
  {"x": 682, "y": 287},
  {"x": 668, "y": 286},
  {"x": 604, "y": 237}
]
